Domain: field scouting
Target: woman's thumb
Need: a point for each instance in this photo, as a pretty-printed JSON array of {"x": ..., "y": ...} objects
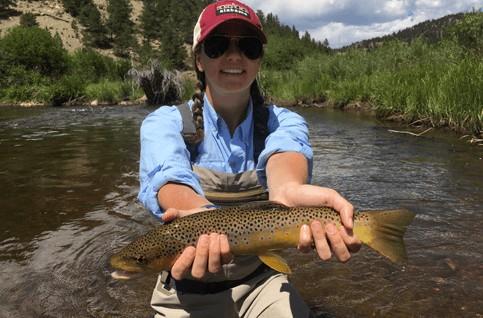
[{"x": 169, "y": 215}]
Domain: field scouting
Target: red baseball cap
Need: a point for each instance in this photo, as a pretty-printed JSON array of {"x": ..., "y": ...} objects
[{"x": 218, "y": 12}]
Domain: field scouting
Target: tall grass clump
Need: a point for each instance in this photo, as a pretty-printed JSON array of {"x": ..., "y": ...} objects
[
  {"x": 111, "y": 92},
  {"x": 441, "y": 84},
  {"x": 93, "y": 67}
]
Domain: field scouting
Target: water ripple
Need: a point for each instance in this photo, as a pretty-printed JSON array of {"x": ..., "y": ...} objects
[{"x": 69, "y": 201}]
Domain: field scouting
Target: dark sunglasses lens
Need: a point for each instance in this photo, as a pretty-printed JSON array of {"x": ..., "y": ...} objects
[
  {"x": 215, "y": 46},
  {"x": 251, "y": 47}
]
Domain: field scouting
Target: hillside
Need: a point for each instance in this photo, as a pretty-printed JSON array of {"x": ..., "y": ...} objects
[
  {"x": 431, "y": 30},
  {"x": 52, "y": 16}
]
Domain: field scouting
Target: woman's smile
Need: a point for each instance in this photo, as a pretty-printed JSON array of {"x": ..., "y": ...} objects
[{"x": 232, "y": 71}]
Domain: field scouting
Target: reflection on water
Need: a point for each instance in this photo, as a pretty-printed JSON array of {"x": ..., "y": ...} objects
[{"x": 69, "y": 183}]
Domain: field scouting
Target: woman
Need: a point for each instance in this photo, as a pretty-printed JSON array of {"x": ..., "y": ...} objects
[{"x": 237, "y": 146}]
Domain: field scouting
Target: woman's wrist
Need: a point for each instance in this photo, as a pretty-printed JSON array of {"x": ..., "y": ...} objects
[{"x": 287, "y": 194}]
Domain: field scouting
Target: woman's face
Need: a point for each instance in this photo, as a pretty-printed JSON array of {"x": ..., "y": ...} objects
[{"x": 232, "y": 72}]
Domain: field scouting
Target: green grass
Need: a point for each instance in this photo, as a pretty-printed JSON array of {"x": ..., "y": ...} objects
[
  {"x": 112, "y": 92},
  {"x": 442, "y": 83}
]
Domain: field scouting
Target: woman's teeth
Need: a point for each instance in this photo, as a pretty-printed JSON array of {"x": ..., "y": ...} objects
[{"x": 232, "y": 71}]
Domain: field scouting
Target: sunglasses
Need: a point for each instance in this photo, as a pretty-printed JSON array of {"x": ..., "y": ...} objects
[{"x": 216, "y": 45}]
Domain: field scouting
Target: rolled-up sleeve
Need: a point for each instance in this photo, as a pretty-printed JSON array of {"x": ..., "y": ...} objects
[
  {"x": 164, "y": 157},
  {"x": 288, "y": 132}
]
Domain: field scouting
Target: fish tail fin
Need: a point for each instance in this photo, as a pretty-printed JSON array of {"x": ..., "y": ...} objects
[{"x": 383, "y": 231}]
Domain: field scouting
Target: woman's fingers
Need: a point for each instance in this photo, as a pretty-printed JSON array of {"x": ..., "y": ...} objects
[
  {"x": 305, "y": 239},
  {"x": 226, "y": 256},
  {"x": 169, "y": 215},
  {"x": 200, "y": 262},
  {"x": 183, "y": 263},
  {"x": 320, "y": 240},
  {"x": 214, "y": 256},
  {"x": 329, "y": 240},
  {"x": 351, "y": 241},
  {"x": 346, "y": 210},
  {"x": 337, "y": 244},
  {"x": 210, "y": 253}
]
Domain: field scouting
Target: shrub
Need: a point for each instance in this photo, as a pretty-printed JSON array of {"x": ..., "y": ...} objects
[
  {"x": 34, "y": 49},
  {"x": 28, "y": 20},
  {"x": 113, "y": 92},
  {"x": 64, "y": 90},
  {"x": 93, "y": 67},
  {"x": 468, "y": 31}
]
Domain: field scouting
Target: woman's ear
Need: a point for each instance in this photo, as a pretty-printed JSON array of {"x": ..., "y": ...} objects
[{"x": 198, "y": 63}]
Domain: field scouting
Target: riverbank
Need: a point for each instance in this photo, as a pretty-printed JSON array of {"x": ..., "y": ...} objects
[
  {"x": 416, "y": 128},
  {"x": 435, "y": 85},
  {"x": 430, "y": 86},
  {"x": 440, "y": 85}
]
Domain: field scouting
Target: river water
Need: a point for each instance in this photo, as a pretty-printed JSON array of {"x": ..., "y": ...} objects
[{"x": 68, "y": 179}]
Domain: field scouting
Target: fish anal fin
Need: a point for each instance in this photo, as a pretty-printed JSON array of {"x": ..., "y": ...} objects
[{"x": 275, "y": 262}]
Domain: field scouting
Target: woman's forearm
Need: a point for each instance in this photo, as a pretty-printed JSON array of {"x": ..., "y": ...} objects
[
  {"x": 286, "y": 171},
  {"x": 180, "y": 196}
]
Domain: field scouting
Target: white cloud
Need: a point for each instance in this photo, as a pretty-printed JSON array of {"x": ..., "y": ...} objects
[
  {"x": 339, "y": 34},
  {"x": 345, "y": 21}
]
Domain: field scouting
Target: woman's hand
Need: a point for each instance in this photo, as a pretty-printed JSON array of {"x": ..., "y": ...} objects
[
  {"x": 327, "y": 239},
  {"x": 287, "y": 176},
  {"x": 210, "y": 253}
]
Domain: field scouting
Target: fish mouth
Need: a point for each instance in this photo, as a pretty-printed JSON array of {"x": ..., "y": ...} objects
[
  {"x": 123, "y": 275},
  {"x": 121, "y": 264}
]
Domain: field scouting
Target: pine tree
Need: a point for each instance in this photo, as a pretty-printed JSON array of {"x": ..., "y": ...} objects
[
  {"x": 5, "y": 10},
  {"x": 74, "y": 7},
  {"x": 120, "y": 26},
  {"x": 150, "y": 19},
  {"x": 261, "y": 16},
  {"x": 173, "y": 33},
  {"x": 95, "y": 33},
  {"x": 5, "y": 4},
  {"x": 172, "y": 50},
  {"x": 28, "y": 20},
  {"x": 185, "y": 15}
]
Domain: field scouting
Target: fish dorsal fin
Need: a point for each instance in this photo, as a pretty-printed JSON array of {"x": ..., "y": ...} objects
[
  {"x": 275, "y": 262},
  {"x": 264, "y": 205}
]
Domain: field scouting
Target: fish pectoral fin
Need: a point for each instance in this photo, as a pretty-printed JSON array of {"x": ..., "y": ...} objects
[{"x": 275, "y": 262}]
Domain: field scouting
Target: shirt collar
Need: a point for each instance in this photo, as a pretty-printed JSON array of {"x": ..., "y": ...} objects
[{"x": 215, "y": 121}]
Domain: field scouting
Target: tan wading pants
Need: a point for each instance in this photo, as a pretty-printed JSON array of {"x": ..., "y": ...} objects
[{"x": 267, "y": 295}]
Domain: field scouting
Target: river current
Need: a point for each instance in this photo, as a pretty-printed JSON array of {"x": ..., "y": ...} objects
[{"x": 69, "y": 180}]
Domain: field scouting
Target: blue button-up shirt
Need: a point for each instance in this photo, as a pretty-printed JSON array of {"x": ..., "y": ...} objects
[{"x": 165, "y": 157}]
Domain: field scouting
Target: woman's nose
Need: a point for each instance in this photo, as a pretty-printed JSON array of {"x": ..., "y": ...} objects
[{"x": 233, "y": 49}]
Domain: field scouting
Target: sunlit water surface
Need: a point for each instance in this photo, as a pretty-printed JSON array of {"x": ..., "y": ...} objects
[{"x": 68, "y": 182}]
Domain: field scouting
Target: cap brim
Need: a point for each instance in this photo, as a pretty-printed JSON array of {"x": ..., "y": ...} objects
[{"x": 259, "y": 32}]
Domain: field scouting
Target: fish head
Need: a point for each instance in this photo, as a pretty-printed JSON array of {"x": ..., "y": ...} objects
[
  {"x": 130, "y": 266},
  {"x": 130, "y": 263},
  {"x": 154, "y": 251}
]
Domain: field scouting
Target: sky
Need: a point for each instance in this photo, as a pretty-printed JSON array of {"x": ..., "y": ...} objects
[{"x": 342, "y": 22}]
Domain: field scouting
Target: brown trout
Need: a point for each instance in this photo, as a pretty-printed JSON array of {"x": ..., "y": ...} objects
[{"x": 258, "y": 230}]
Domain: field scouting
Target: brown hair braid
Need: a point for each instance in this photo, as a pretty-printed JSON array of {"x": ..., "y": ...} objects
[
  {"x": 197, "y": 107},
  {"x": 260, "y": 111}
]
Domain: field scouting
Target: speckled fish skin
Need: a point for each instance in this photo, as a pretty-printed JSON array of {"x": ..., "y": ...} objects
[{"x": 251, "y": 230}]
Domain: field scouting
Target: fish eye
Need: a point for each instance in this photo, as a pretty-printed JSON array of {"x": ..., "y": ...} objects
[{"x": 141, "y": 260}]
